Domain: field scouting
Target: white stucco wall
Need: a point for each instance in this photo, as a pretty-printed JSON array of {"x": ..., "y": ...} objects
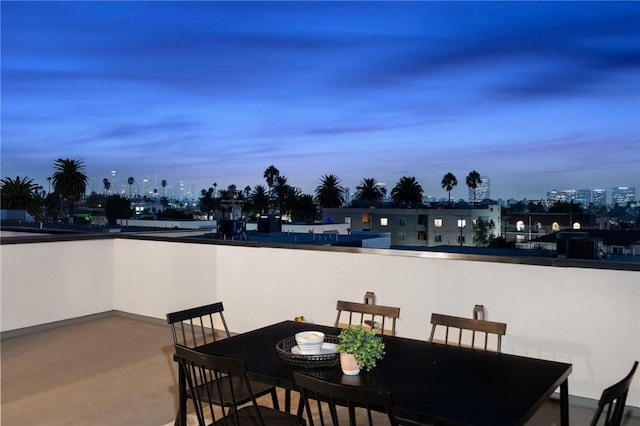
[
  {"x": 588, "y": 317},
  {"x": 54, "y": 281}
]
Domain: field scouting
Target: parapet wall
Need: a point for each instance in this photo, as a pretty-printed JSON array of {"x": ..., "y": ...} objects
[{"x": 583, "y": 315}]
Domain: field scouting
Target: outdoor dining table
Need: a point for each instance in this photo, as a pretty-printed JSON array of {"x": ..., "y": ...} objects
[{"x": 430, "y": 382}]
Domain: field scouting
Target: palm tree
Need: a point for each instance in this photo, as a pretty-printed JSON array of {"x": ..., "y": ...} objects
[
  {"x": 130, "y": 181},
  {"x": 232, "y": 191},
  {"x": 329, "y": 193},
  {"x": 407, "y": 192},
  {"x": 289, "y": 200},
  {"x": 449, "y": 182},
  {"x": 279, "y": 192},
  {"x": 370, "y": 191},
  {"x": 473, "y": 179},
  {"x": 207, "y": 202},
  {"x": 305, "y": 209},
  {"x": 21, "y": 194},
  {"x": 163, "y": 200},
  {"x": 270, "y": 175},
  {"x": 69, "y": 181},
  {"x": 260, "y": 197},
  {"x": 106, "y": 184}
]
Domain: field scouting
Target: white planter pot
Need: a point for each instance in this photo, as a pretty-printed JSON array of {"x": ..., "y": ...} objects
[{"x": 349, "y": 364}]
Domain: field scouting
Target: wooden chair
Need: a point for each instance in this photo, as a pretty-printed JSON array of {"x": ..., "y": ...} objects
[
  {"x": 197, "y": 326},
  {"x": 467, "y": 327},
  {"x": 382, "y": 318},
  {"x": 211, "y": 378},
  {"x": 329, "y": 396},
  {"x": 613, "y": 400},
  {"x": 201, "y": 325}
]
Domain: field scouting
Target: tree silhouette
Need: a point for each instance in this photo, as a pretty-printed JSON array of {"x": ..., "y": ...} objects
[
  {"x": 407, "y": 192},
  {"x": 270, "y": 175},
  {"x": 106, "y": 184},
  {"x": 473, "y": 179},
  {"x": 260, "y": 198},
  {"x": 370, "y": 191},
  {"x": 130, "y": 181},
  {"x": 329, "y": 193},
  {"x": 449, "y": 182},
  {"x": 278, "y": 193},
  {"x": 21, "y": 194},
  {"x": 69, "y": 181},
  {"x": 207, "y": 202},
  {"x": 116, "y": 208}
]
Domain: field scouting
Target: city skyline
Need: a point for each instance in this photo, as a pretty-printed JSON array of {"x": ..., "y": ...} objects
[
  {"x": 535, "y": 96},
  {"x": 183, "y": 190}
]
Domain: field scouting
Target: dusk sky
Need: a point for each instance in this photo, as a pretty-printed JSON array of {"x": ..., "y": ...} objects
[{"x": 535, "y": 95}]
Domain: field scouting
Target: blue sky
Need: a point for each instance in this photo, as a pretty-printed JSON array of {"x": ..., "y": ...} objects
[{"x": 534, "y": 95}]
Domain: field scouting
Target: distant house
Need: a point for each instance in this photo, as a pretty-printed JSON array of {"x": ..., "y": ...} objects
[
  {"x": 575, "y": 243},
  {"x": 418, "y": 227},
  {"x": 523, "y": 228}
]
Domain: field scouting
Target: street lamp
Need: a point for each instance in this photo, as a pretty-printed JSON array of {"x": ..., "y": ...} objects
[{"x": 461, "y": 224}]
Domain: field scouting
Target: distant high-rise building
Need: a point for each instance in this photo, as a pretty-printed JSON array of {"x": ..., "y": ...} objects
[
  {"x": 583, "y": 197},
  {"x": 483, "y": 191},
  {"x": 623, "y": 195},
  {"x": 565, "y": 196},
  {"x": 114, "y": 182},
  {"x": 145, "y": 186},
  {"x": 599, "y": 197},
  {"x": 346, "y": 193},
  {"x": 181, "y": 190}
]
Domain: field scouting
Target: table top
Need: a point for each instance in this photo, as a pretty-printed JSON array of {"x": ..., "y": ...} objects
[{"x": 428, "y": 381}]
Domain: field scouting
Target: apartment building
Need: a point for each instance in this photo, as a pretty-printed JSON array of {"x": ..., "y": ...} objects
[{"x": 420, "y": 227}]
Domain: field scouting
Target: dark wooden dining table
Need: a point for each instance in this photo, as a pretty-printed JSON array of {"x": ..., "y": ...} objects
[{"x": 430, "y": 382}]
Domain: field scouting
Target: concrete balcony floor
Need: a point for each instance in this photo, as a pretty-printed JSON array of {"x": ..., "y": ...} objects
[{"x": 117, "y": 370}]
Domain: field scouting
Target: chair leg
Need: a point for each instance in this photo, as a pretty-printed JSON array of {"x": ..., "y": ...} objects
[
  {"x": 274, "y": 398},
  {"x": 287, "y": 400}
]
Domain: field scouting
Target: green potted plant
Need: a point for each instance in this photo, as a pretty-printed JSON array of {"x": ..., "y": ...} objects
[{"x": 359, "y": 349}]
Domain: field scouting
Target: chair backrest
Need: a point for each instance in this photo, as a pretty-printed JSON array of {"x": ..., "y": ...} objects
[
  {"x": 465, "y": 331},
  {"x": 203, "y": 374},
  {"x": 197, "y": 326},
  {"x": 329, "y": 396},
  {"x": 613, "y": 400},
  {"x": 382, "y": 318}
]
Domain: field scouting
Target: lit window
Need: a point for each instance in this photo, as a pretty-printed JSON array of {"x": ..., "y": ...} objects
[
  {"x": 576, "y": 225},
  {"x": 520, "y": 226},
  {"x": 437, "y": 223},
  {"x": 462, "y": 223},
  {"x": 520, "y": 238},
  {"x": 555, "y": 226},
  {"x": 383, "y": 221},
  {"x": 365, "y": 218},
  {"x": 347, "y": 219}
]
